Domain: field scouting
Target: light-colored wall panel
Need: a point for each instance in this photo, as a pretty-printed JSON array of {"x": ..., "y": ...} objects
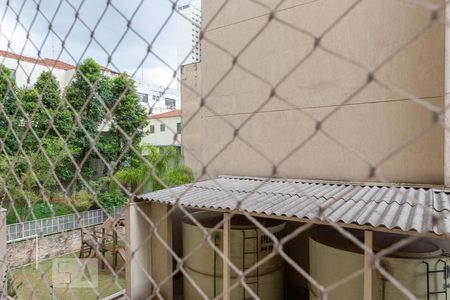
[{"x": 373, "y": 123}]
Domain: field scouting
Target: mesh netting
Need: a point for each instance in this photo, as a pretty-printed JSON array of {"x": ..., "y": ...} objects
[{"x": 328, "y": 106}]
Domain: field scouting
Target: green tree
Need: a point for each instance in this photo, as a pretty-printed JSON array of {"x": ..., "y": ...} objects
[
  {"x": 8, "y": 108},
  {"x": 45, "y": 112},
  {"x": 51, "y": 121},
  {"x": 55, "y": 161},
  {"x": 47, "y": 88},
  {"x": 48, "y": 124},
  {"x": 87, "y": 94},
  {"x": 128, "y": 115}
]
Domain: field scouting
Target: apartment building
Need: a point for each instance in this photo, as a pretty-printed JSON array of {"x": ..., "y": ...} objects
[
  {"x": 26, "y": 69},
  {"x": 370, "y": 126},
  {"x": 158, "y": 99},
  {"x": 164, "y": 129},
  {"x": 189, "y": 23}
]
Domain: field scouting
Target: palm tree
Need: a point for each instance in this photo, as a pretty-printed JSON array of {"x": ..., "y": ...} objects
[{"x": 164, "y": 168}]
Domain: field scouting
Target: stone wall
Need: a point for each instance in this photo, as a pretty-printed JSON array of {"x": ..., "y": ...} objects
[{"x": 23, "y": 252}]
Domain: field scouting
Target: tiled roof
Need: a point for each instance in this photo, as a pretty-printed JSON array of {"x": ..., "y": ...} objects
[
  {"x": 48, "y": 62},
  {"x": 51, "y": 63},
  {"x": 168, "y": 114},
  {"x": 408, "y": 208}
]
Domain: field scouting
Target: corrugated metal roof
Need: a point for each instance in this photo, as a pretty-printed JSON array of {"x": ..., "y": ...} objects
[{"x": 421, "y": 209}]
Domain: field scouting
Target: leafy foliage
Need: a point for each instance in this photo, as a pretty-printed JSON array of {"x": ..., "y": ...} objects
[
  {"x": 164, "y": 169},
  {"x": 40, "y": 210},
  {"x": 43, "y": 139},
  {"x": 178, "y": 175},
  {"x": 129, "y": 116},
  {"x": 81, "y": 200},
  {"x": 42, "y": 169},
  {"x": 8, "y": 107},
  {"x": 110, "y": 199},
  {"x": 107, "y": 197},
  {"x": 86, "y": 95}
]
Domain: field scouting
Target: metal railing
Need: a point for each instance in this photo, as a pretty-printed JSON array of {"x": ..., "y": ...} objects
[{"x": 60, "y": 224}]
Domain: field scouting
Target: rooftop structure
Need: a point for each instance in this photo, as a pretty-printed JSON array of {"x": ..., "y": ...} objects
[
  {"x": 419, "y": 209},
  {"x": 189, "y": 23}
]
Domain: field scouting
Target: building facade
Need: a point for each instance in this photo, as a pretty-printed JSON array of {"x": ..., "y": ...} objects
[
  {"x": 164, "y": 129},
  {"x": 369, "y": 135},
  {"x": 26, "y": 69},
  {"x": 189, "y": 22},
  {"x": 158, "y": 99}
]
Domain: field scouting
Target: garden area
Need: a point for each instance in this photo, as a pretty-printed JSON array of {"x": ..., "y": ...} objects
[
  {"x": 27, "y": 280},
  {"x": 77, "y": 149}
]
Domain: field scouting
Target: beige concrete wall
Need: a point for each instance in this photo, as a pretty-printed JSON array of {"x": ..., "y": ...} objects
[
  {"x": 191, "y": 117},
  {"x": 138, "y": 255},
  {"x": 148, "y": 260},
  {"x": 375, "y": 123}
]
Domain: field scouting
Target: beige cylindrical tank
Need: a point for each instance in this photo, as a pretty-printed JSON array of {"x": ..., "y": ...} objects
[
  {"x": 248, "y": 244},
  {"x": 333, "y": 257},
  {"x": 270, "y": 285}
]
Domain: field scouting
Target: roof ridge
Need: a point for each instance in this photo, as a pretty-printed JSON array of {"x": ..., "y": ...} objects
[{"x": 425, "y": 186}]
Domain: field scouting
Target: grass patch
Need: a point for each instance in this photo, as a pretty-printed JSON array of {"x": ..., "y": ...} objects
[{"x": 36, "y": 283}]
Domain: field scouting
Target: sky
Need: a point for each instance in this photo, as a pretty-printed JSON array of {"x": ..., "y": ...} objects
[{"x": 151, "y": 23}]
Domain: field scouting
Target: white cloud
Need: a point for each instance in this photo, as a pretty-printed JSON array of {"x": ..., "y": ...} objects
[{"x": 157, "y": 75}]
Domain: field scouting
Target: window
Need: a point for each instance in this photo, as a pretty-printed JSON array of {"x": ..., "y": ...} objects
[
  {"x": 179, "y": 128},
  {"x": 162, "y": 127},
  {"x": 170, "y": 103},
  {"x": 155, "y": 97},
  {"x": 143, "y": 97},
  {"x": 152, "y": 128}
]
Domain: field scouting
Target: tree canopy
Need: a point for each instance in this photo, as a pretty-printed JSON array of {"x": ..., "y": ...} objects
[{"x": 47, "y": 133}]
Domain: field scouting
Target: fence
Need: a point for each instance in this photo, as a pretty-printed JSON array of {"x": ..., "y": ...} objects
[
  {"x": 315, "y": 143},
  {"x": 59, "y": 224}
]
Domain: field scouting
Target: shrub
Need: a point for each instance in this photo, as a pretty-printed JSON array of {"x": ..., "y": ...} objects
[
  {"x": 41, "y": 211},
  {"x": 11, "y": 216},
  {"x": 109, "y": 199},
  {"x": 81, "y": 200},
  {"x": 178, "y": 175},
  {"x": 62, "y": 209}
]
